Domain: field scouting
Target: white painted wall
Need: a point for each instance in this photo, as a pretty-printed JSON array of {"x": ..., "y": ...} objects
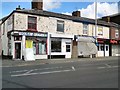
[
  {"x": 63, "y": 44},
  {"x": 40, "y": 56},
  {"x": 5, "y": 39}
]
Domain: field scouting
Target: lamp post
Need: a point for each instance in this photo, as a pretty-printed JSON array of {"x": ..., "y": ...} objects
[
  {"x": 96, "y": 19},
  {"x": 96, "y": 23}
]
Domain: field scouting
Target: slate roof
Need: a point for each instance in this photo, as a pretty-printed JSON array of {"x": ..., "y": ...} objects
[{"x": 62, "y": 16}]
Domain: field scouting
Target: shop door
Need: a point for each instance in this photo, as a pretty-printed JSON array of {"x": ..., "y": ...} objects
[
  {"x": 17, "y": 50},
  {"x": 106, "y": 50}
]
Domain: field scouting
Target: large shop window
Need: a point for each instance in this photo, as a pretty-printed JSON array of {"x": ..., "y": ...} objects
[
  {"x": 32, "y": 23},
  {"x": 56, "y": 45},
  {"x": 39, "y": 45},
  {"x": 100, "y": 47},
  {"x": 85, "y": 29},
  {"x": 60, "y": 26}
]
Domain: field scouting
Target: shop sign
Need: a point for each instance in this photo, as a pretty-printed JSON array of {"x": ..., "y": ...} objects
[
  {"x": 113, "y": 41},
  {"x": 33, "y": 34}
]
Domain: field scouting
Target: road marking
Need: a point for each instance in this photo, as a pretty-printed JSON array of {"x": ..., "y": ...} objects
[
  {"x": 108, "y": 65},
  {"x": 73, "y": 68},
  {"x": 41, "y": 73},
  {"x": 101, "y": 67},
  {"x": 35, "y": 69}
]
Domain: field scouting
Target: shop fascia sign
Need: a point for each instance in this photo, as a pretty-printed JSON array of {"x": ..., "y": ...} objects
[{"x": 33, "y": 34}]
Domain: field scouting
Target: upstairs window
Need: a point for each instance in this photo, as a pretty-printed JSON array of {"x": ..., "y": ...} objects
[
  {"x": 60, "y": 26},
  {"x": 85, "y": 29},
  {"x": 116, "y": 33},
  {"x": 32, "y": 23},
  {"x": 100, "y": 30}
]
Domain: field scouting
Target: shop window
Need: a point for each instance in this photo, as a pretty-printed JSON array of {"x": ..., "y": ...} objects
[
  {"x": 85, "y": 29},
  {"x": 60, "y": 26},
  {"x": 32, "y": 23},
  {"x": 39, "y": 48},
  {"x": 56, "y": 45},
  {"x": 39, "y": 45},
  {"x": 102, "y": 48},
  {"x": 67, "y": 48}
]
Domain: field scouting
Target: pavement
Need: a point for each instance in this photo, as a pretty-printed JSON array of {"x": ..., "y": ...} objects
[{"x": 12, "y": 63}]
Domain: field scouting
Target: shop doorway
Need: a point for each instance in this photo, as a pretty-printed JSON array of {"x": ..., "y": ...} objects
[
  {"x": 17, "y": 50},
  {"x": 106, "y": 50}
]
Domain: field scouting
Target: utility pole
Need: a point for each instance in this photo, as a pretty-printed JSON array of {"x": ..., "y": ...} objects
[
  {"x": 96, "y": 19},
  {"x": 96, "y": 22}
]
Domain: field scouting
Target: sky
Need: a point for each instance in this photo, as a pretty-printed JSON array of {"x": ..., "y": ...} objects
[{"x": 65, "y": 7}]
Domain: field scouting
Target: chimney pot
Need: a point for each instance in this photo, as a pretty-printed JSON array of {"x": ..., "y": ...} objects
[{"x": 18, "y": 8}]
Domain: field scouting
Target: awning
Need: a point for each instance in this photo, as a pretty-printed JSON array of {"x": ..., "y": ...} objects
[
  {"x": 86, "y": 48},
  {"x": 85, "y": 39}
]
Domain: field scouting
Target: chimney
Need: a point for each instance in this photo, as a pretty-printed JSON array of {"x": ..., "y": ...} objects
[
  {"x": 108, "y": 19},
  {"x": 76, "y": 13},
  {"x": 37, "y": 4}
]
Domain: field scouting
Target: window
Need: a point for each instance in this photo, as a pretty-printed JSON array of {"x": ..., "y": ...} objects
[
  {"x": 67, "y": 48},
  {"x": 60, "y": 26},
  {"x": 17, "y": 38},
  {"x": 39, "y": 48},
  {"x": 32, "y": 23},
  {"x": 106, "y": 48},
  {"x": 3, "y": 28},
  {"x": 100, "y": 30},
  {"x": 39, "y": 45},
  {"x": 116, "y": 33},
  {"x": 102, "y": 48},
  {"x": 56, "y": 45},
  {"x": 85, "y": 29}
]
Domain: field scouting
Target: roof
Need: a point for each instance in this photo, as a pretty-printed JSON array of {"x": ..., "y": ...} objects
[
  {"x": 62, "y": 16},
  {"x": 113, "y": 18}
]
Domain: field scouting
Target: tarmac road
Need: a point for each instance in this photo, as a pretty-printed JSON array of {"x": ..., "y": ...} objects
[{"x": 79, "y": 74}]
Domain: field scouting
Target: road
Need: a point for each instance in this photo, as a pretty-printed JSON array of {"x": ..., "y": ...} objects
[{"x": 84, "y": 74}]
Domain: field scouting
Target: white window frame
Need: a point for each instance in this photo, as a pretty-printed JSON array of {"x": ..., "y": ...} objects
[{"x": 85, "y": 29}]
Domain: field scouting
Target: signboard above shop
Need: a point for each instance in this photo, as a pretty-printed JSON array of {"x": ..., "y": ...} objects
[
  {"x": 33, "y": 34},
  {"x": 37, "y": 34}
]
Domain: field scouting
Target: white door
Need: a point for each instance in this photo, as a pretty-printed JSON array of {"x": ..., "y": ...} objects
[{"x": 106, "y": 50}]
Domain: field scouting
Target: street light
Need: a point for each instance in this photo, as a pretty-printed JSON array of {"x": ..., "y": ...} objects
[{"x": 96, "y": 19}]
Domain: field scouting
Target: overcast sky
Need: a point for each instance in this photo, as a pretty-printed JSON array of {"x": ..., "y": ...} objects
[{"x": 86, "y": 8}]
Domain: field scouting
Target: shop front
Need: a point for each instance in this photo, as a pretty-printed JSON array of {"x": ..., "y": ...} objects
[
  {"x": 59, "y": 46},
  {"x": 115, "y": 47},
  {"x": 28, "y": 45},
  {"x": 103, "y": 47}
]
